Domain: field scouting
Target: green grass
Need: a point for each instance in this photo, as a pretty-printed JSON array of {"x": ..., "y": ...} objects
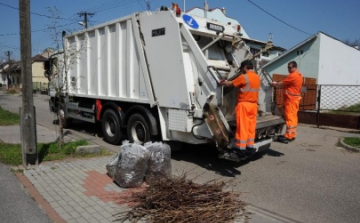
[
  {"x": 352, "y": 109},
  {"x": 8, "y": 118},
  {"x": 352, "y": 141},
  {"x": 11, "y": 153}
]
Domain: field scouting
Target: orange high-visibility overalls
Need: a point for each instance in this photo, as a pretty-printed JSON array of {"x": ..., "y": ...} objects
[
  {"x": 292, "y": 96},
  {"x": 246, "y": 109}
]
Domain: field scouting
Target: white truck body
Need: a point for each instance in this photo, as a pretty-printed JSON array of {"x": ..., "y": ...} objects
[{"x": 170, "y": 65}]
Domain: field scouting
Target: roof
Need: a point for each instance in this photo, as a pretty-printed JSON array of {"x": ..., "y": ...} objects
[
  {"x": 263, "y": 43},
  {"x": 291, "y": 50},
  {"x": 14, "y": 67},
  {"x": 303, "y": 43},
  {"x": 38, "y": 58}
]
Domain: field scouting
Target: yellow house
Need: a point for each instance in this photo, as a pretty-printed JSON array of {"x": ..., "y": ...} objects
[
  {"x": 40, "y": 82},
  {"x": 13, "y": 72}
]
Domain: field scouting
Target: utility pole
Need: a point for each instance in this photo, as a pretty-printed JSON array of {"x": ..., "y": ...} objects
[
  {"x": 148, "y": 6},
  {"x": 27, "y": 112},
  {"x": 85, "y": 14},
  {"x": 206, "y": 9},
  {"x": 8, "y": 54}
]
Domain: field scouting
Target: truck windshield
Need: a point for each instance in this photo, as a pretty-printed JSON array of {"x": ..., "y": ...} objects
[{"x": 215, "y": 53}]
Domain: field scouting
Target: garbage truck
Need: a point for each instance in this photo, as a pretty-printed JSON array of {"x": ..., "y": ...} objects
[{"x": 156, "y": 76}]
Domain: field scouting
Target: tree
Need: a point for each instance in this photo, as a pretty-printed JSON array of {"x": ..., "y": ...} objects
[
  {"x": 57, "y": 69},
  {"x": 353, "y": 43}
]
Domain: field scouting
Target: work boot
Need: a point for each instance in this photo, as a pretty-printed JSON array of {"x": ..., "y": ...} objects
[
  {"x": 250, "y": 151},
  {"x": 240, "y": 154},
  {"x": 283, "y": 139},
  {"x": 290, "y": 140}
]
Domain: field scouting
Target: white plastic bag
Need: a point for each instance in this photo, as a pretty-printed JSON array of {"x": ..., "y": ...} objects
[
  {"x": 131, "y": 167},
  {"x": 159, "y": 165},
  {"x": 111, "y": 166}
]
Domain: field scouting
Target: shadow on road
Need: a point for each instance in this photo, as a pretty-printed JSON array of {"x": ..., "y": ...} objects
[
  {"x": 83, "y": 127},
  {"x": 206, "y": 156}
]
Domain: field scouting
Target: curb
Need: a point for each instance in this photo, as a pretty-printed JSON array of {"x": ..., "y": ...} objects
[
  {"x": 348, "y": 147},
  {"x": 44, "y": 205}
]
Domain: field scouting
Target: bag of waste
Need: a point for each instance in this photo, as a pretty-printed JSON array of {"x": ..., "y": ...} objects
[
  {"x": 159, "y": 164},
  {"x": 131, "y": 167},
  {"x": 111, "y": 165}
]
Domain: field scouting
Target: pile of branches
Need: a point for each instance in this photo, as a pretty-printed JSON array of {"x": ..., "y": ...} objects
[{"x": 180, "y": 200}]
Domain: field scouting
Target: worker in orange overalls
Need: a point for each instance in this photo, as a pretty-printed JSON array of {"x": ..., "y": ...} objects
[
  {"x": 246, "y": 109},
  {"x": 292, "y": 94}
]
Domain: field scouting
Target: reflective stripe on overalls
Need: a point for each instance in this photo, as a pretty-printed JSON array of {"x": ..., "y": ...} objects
[
  {"x": 247, "y": 88},
  {"x": 292, "y": 94},
  {"x": 291, "y": 129}
]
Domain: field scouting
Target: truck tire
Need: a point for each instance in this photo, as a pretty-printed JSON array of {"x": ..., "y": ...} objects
[
  {"x": 138, "y": 129},
  {"x": 111, "y": 127}
]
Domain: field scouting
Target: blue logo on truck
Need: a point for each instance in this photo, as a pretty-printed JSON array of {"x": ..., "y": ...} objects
[{"x": 190, "y": 21}]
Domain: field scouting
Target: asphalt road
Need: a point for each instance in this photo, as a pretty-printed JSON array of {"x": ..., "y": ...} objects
[
  {"x": 308, "y": 180},
  {"x": 16, "y": 205}
]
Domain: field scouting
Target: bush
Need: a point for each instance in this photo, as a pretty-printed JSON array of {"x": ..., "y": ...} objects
[{"x": 11, "y": 91}]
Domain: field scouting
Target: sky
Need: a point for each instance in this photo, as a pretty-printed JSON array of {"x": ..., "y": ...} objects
[{"x": 289, "y": 21}]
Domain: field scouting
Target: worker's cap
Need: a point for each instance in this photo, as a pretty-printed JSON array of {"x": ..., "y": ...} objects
[{"x": 246, "y": 63}]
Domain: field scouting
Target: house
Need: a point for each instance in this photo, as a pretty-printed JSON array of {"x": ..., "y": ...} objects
[
  {"x": 326, "y": 61},
  {"x": 11, "y": 73},
  {"x": 255, "y": 46},
  {"x": 3, "y": 77},
  {"x": 40, "y": 82}
]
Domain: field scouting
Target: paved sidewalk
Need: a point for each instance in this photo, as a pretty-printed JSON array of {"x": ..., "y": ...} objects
[
  {"x": 79, "y": 190},
  {"x": 11, "y": 134}
]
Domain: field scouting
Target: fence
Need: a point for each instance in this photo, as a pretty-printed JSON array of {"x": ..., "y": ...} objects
[{"x": 329, "y": 105}]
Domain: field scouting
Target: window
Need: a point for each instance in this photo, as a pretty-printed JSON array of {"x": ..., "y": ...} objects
[
  {"x": 265, "y": 54},
  {"x": 254, "y": 51}
]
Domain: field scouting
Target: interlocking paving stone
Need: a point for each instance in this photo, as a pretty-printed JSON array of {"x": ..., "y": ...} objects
[{"x": 65, "y": 185}]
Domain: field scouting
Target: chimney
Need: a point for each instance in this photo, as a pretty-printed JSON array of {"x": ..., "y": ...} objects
[{"x": 223, "y": 10}]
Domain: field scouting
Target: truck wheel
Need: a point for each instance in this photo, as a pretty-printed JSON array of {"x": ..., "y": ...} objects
[
  {"x": 111, "y": 127},
  {"x": 138, "y": 129}
]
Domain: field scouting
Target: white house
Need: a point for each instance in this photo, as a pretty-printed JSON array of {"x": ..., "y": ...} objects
[{"x": 330, "y": 62}]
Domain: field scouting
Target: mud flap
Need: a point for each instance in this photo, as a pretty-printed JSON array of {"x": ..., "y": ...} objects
[{"x": 216, "y": 125}]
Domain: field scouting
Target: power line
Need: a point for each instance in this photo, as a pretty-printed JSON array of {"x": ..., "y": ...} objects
[
  {"x": 114, "y": 5},
  {"x": 278, "y": 18},
  {"x": 34, "y": 13},
  {"x": 96, "y": 9},
  {"x": 85, "y": 14},
  {"x": 141, "y": 4},
  {"x": 16, "y": 47},
  {"x": 33, "y": 31}
]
